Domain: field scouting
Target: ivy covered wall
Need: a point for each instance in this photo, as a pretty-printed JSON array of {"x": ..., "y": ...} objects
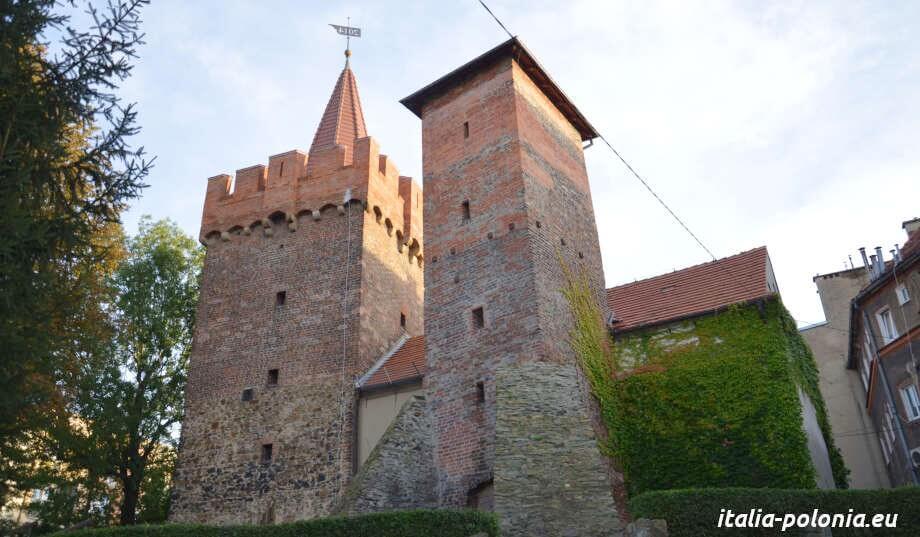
[{"x": 710, "y": 402}]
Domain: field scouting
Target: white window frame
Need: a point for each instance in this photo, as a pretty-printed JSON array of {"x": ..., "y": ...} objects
[
  {"x": 883, "y": 441},
  {"x": 885, "y": 321},
  {"x": 903, "y": 294},
  {"x": 911, "y": 399},
  {"x": 866, "y": 364},
  {"x": 889, "y": 424}
]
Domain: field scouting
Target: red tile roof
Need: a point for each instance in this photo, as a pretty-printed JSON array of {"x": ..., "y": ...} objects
[
  {"x": 691, "y": 291},
  {"x": 406, "y": 363},
  {"x": 343, "y": 120}
]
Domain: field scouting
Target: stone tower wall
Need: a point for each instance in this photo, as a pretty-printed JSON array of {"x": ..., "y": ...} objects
[{"x": 338, "y": 243}]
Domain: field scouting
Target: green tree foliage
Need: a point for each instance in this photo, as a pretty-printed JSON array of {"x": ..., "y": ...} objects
[
  {"x": 66, "y": 172},
  {"x": 127, "y": 396},
  {"x": 712, "y": 405}
]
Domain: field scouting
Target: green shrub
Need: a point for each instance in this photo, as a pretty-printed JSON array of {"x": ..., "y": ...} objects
[
  {"x": 695, "y": 512},
  {"x": 421, "y": 523}
]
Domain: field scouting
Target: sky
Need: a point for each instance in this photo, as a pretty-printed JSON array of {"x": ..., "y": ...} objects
[{"x": 794, "y": 125}]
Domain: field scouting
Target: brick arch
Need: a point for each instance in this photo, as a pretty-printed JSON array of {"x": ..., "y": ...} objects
[
  {"x": 277, "y": 217},
  {"x": 327, "y": 207},
  {"x": 212, "y": 236},
  {"x": 236, "y": 230}
]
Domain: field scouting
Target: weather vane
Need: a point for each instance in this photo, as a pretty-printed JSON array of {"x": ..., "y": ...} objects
[{"x": 349, "y": 32}]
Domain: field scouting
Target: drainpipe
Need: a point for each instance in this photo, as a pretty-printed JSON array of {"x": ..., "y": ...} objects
[{"x": 902, "y": 440}]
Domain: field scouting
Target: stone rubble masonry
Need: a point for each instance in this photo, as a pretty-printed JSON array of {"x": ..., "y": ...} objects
[
  {"x": 399, "y": 473},
  {"x": 522, "y": 170},
  {"x": 550, "y": 479},
  {"x": 645, "y": 527},
  {"x": 348, "y": 269}
]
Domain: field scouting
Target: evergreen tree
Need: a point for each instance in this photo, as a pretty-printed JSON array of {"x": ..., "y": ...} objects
[{"x": 66, "y": 172}]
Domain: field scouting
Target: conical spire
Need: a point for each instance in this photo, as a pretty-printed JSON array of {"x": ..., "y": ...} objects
[{"x": 343, "y": 120}]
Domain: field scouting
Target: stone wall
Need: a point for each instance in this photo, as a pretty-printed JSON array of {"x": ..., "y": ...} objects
[
  {"x": 243, "y": 332},
  {"x": 550, "y": 479},
  {"x": 399, "y": 473}
]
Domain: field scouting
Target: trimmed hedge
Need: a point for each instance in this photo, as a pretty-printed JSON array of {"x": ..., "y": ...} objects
[
  {"x": 695, "y": 512},
  {"x": 421, "y": 523}
]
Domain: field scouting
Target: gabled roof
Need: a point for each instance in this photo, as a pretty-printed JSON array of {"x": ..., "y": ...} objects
[
  {"x": 404, "y": 363},
  {"x": 511, "y": 48},
  {"x": 692, "y": 291},
  {"x": 343, "y": 120}
]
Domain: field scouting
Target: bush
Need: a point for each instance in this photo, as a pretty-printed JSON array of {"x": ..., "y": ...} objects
[
  {"x": 695, "y": 512},
  {"x": 421, "y": 523}
]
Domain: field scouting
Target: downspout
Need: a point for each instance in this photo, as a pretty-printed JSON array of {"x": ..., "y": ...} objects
[{"x": 902, "y": 440}]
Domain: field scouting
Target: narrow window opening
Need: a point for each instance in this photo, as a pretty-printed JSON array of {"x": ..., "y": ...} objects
[
  {"x": 466, "y": 210},
  {"x": 481, "y": 392},
  {"x": 402, "y": 320},
  {"x": 272, "y": 377},
  {"x": 267, "y": 452},
  {"x": 280, "y": 298},
  {"x": 479, "y": 319},
  {"x": 247, "y": 395},
  {"x": 281, "y": 169},
  {"x": 466, "y": 129}
]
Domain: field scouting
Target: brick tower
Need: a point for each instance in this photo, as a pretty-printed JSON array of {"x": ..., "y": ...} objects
[
  {"x": 313, "y": 270},
  {"x": 506, "y": 202}
]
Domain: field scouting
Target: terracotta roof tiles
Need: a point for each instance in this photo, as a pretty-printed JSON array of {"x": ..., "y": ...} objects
[
  {"x": 343, "y": 120},
  {"x": 694, "y": 290},
  {"x": 406, "y": 363}
]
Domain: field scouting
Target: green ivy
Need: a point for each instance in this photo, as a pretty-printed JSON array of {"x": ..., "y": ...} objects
[{"x": 711, "y": 402}]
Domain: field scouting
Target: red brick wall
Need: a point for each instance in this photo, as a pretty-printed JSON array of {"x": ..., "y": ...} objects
[{"x": 521, "y": 164}]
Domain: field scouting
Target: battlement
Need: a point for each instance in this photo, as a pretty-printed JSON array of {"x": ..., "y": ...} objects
[{"x": 295, "y": 184}]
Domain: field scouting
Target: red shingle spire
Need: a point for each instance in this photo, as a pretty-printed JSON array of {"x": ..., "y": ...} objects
[{"x": 343, "y": 120}]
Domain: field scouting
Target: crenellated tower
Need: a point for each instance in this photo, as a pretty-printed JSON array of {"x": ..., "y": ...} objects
[{"x": 313, "y": 270}]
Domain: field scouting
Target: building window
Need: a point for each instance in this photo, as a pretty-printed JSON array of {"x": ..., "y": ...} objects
[
  {"x": 866, "y": 368},
  {"x": 466, "y": 129},
  {"x": 280, "y": 298},
  {"x": 481, "y": 391},
  {"x": 247, "y": 395},
  {"x": 402, "y": 320},
  {"x": 911, "y": 399},
  {"x": 889, "y": 425},
  {"x": 466, "y": 211},
  {"x": 267, "y": 452},
  {"x": 886, "y": 325},
  {"x": 272, "y": 377},
  {"x": 479, "y": 319},
  {"x": 885, "y": 452},
  {"x": 903, "y": 294}
]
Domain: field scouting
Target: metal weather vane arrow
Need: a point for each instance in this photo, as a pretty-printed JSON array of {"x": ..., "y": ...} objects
[{"x": 349, "y": 32}]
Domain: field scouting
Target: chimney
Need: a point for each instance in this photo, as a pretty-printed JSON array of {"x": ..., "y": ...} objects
[
  {"x": 881, "y": 261},
  {"x": 862, "y": 252},
  {"x": 911, "y": 226}
]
